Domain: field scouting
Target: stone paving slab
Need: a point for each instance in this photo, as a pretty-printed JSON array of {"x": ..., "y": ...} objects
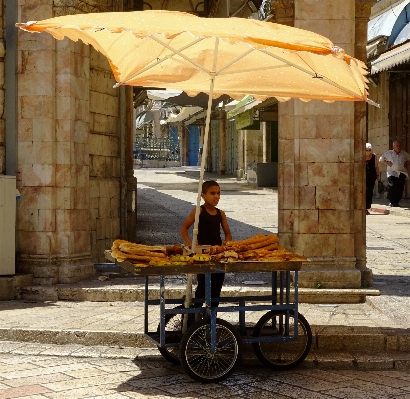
[
  {"x": 338, "y": 327},
  {"x": 381, "y": 325},
  {"x": 42, "y": 376}
]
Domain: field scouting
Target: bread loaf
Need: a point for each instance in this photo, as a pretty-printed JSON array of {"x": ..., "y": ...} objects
[
  {"x": 216, "y": 249},
  {"x": 230, "y": 254},
  {"x": 270, "y": 239},
  {"x": 121, "y": 256},
  {"x": 116, "y": 244},
  {"x": 143, "y": 250},
  {"x": 251, "y": 240},
  {"x": 170, "y": 250},
  {"x": 178, "y": 250}
]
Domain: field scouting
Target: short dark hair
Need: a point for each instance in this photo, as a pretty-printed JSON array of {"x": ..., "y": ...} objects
[{"x": 206, "y": 185}]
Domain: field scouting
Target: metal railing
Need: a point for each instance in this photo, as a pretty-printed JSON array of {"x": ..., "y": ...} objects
[{"x": 157, "y": 148}]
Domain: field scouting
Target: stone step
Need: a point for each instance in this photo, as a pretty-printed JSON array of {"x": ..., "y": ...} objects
[
  {"x": 344, "y": 346},
  {"x": 116, "y": 291},
  {"x": 315, "y": 359}
]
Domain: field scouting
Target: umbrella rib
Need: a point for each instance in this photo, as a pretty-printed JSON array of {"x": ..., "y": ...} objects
[
  {"x": 235, "y": 60},
  {"x": 253, "y": 69},
  {"x": 178, "y": 52},
  {"x": 314, "y": 74},
  {"x": 160, "y": 61},
  {"x": 323, "y": 77}
]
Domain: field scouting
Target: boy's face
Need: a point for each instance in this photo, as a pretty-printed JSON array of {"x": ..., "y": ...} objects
[{"x": 212, "y": 196}]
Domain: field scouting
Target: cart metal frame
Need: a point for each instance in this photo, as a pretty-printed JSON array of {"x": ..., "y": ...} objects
[
  {"x": 280, "y": 299},
  {"x": 279, "y": 326}
]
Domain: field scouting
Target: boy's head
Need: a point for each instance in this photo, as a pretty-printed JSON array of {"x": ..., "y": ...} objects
[
  {"x": 206, "y": 185},
  {"x": 211, "y": 192}
]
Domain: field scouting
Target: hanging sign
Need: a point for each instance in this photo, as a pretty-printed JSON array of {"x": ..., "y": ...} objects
[{"x": 244, "y": 119}]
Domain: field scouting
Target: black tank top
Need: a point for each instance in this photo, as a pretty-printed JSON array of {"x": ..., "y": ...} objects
[{"x": 209, "y": 228}]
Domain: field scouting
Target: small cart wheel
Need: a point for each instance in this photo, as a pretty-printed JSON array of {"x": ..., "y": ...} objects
[
  {"x": 173, "y": 334},
  {"x": 289, "y": 352},
  {"x": 197, "y": 358}
]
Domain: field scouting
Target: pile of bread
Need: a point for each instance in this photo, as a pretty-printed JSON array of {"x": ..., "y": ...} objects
[
  {"x": 257, "y": 248},
  {"x": 153, "y": 255}
]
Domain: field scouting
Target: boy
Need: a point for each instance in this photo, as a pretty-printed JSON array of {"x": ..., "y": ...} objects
[{"x": 209, "y": 233}]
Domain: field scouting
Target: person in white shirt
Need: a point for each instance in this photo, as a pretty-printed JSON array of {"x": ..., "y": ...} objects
[{"x": 397, "y": 162}]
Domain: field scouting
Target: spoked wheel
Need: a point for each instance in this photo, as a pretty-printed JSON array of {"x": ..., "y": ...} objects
[
  {"x": 197, "y": 358},
  {"x": 282, "y": 355},
  {"x": 173, "y": 334}
]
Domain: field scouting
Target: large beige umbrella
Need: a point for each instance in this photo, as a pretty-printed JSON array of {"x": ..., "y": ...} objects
[{"x": 218, "y": 56}]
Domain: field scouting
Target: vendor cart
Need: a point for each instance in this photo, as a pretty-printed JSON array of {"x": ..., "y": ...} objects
[{"x": 210, "y": 348}]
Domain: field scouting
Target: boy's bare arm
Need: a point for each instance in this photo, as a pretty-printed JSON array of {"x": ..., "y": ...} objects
[
  {"x": 225, "y": 227},
  {"x": 189, "y": 221}
]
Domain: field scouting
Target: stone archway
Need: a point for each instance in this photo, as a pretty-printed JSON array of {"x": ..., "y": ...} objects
[{"x": 321, "y": 167}]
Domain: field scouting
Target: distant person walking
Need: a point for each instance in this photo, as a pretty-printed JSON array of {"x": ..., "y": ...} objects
[
  {"x": 372, "y": 174},
  {"x": 397, "y": 162}
]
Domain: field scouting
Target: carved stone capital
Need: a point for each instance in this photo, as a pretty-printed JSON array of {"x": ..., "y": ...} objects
[
  {"x": 363, "y": 8},
  {"x": 66, "y": 7}
]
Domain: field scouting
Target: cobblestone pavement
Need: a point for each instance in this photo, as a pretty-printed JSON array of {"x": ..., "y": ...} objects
[
  {"x": 89, "y": 361},
  {"x": 37, "y": 376}
]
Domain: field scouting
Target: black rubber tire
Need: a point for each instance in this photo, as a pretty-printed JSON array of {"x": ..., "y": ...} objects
[
  {"x": 173, "y": 333},
  {"x": 197, "y": 360},
  {"x": 287, "y": 354}
]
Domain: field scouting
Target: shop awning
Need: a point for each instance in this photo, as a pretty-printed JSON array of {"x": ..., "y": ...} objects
[
  {"x": 376, "y": 46},
  {"x": 194, "y": 118},
  {"x": 179, "y": 97},
  {"x": 382, "y": 24},
  {"x": 403, "y": 36},
  {"x": 243, "y": 105},
  {"x": 396, "y": 56},
  {"x": 186, "y": 112},
  {"x": 143, "y": 118}
]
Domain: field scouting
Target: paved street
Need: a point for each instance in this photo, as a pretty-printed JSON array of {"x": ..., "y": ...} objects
[
  {"x": 61, "y": 377},
  {"x": 101, "y": 352}
]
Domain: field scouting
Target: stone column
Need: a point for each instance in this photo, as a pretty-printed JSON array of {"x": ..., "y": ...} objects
[
  {"x": 53, "y": 155},
  {"x": 362, "y": 15},
  {"x": 320, "y": 207},
  {"x": 265, "y": 142},
  {"x": 129, "y": 168},
  {"x": 2, "y": 93}
]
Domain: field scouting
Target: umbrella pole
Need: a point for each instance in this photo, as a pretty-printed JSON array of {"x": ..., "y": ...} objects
[{"x": 188, "y": 294}]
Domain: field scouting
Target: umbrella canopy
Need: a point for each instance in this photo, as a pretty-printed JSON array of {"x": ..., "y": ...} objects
[
  {"x": 233, "y": 56},
  {"x": 181, "y": 51}
]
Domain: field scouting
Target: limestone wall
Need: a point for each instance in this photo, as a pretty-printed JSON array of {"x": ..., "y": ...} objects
[
  {"x": 2, "y": 122},
  {"x": 69, "y": 158},
  {"x": 321, "y": 175},
  {"x": 378, "y": 118},
  {"x": 253, "y": 146},
  {"x": 104, "y": 156}
]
